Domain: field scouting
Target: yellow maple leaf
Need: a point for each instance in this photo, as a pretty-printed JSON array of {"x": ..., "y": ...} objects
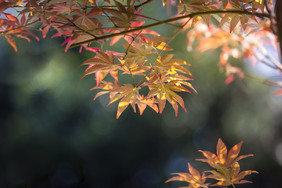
[
  {"x": 230, "y": 176},
  {"x": 129, "y": 95},
  {"x": 226, "y": 164}
]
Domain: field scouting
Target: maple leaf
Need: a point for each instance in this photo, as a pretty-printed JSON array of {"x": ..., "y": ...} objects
[
  {"x": 166, "y": 63},
  {"x": 259, "y": 4},
  {"x": 230, "y": 176},
  {"x": 159, "y": 44},
  {"x": 11, "y": 28},
  {"x": 278, "y": 92},
  {"x": 123, "y": 16},
  {"x": 60, "y": 9},
  {"x": 106, "y": 88},
  {"x": 88, "y": 20},
  {"x": 139, "y": 52},
  {"x": 165, "y": 92},
  {"x": 194, "y": 178},
  {"x": 100, "y": 62},
  {"x": 100, "y": 75},
  {"x": 223, "y": 157},
  {"x": 133, "y": 67},
  {"x": 143, "y": 102},
  {"x": 12, "y": 42},
  {"x": 226, "y": 164},
  {"x": 129, "y": 95},
  {"x": 194, "y": 6},
  {"x": 235, "y": 19}
]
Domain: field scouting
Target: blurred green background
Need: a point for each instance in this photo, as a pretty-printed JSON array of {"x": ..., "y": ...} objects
[{"x": 52, "y": 135}]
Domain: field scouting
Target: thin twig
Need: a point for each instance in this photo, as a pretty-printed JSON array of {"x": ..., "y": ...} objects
[
  {"x": 267, "y": 63},
  {"x": 142, "y": 4},
  {"x": 265, "y": 81},
  {"x": 272, "y": 60},
  {"x": 109, "y": 18},
  {"x": 133, "y": 39},
  {"x": 126, "y": 52}
]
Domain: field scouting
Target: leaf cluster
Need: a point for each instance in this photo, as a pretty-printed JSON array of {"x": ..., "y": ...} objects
[
  {"x": 225, "y": 168},
  {"x": 162, "y": 77}
]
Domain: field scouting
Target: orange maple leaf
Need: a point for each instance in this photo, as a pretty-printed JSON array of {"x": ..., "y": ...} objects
[
  {"x": 223, "y": 157},
  {"x": 194, "y": 178},
  {"x": 101, "y": 62}
]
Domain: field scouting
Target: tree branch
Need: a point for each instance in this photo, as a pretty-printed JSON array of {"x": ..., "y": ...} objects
[
  {"x": 278, "y": 11},
  {"x": 141, "y": 15},
  {"x": 260, "y": 15}
]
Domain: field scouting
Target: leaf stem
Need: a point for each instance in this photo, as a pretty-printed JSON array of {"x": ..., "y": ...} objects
[
  {"x": 149, "y": 71},
  {"x": 126, "y": 52}
]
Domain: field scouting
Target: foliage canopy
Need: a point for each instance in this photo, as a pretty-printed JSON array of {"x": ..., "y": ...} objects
[
  {"x": 241, "y": 28},
  {"x": 244, "y": 29}
]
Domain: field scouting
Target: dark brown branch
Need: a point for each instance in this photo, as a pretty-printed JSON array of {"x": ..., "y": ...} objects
[
  {"x": 272, "y": 25},
  {"x": 140, "y": 15},
  {"x": 260, "y": 15}
]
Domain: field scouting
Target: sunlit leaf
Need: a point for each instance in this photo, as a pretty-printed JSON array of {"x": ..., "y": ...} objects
[
  {"x": 227, "y": 168},
  {"x": 194, "y": 178}
]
